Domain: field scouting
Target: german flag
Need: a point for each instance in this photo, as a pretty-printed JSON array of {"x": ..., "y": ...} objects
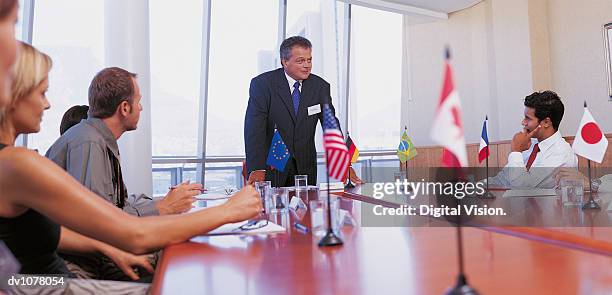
[{"x": 352, "y": 149}]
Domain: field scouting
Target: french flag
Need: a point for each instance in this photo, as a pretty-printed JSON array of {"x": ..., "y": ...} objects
[{"x": 483, "y": 149}]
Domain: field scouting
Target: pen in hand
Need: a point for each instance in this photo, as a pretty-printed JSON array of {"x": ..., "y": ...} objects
[{"x": 186, "y": 182}]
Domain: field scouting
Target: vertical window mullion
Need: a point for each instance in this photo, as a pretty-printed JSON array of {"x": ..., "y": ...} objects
[{"x": 206, "y": 21}]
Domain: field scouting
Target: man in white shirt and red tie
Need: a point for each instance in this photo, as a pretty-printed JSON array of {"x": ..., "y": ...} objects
[{"x": 539, "y": 148}]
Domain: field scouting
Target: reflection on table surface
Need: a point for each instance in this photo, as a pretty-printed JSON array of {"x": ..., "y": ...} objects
[
  {"x": 539, "y": 218},
  {"x": 385, "y": 260}
]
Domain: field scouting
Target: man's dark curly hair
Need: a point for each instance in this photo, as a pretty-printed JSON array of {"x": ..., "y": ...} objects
[{"x": 547, "y": 104}]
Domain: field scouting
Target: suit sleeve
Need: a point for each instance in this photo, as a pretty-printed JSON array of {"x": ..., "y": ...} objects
[
  {"x": 255, "y": 127},
  {"x": 326, "y": 99}
]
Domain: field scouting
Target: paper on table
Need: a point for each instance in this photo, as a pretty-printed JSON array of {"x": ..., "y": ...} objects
[
  {"x": 536, "y": 192},
  {"x": 332, "y": 186},
  {"x": 212, "y": 196},
  {"x": 231, "y": 229}
]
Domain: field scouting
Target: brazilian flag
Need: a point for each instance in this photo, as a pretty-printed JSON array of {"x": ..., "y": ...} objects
[{"x": 406, "y": 150}]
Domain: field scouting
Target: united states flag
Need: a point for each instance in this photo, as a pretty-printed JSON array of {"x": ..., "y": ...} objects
[{"x": 337, "y": 154}]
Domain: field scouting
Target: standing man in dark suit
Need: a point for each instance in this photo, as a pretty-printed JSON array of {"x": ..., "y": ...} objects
[{"x": 290, "y": 98}]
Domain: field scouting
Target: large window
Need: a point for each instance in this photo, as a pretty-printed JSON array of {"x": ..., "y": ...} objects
[
  {"x": 20, "y": 21},
  {"x": 75, "y": 42},
  {"x": 321, "y": 22},
  {"x": 175, "y": 88},
  {"x": 175, "y": 76},
  {"x": 243, "y": 44},
  {"x": 376, "y": 73}
]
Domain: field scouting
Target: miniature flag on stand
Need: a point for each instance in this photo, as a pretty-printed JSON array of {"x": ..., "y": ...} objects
[
  {"x": 335, "y": 149},
  {"x": 352, "y": 149},
  {"x": 483, "y": 148},
  {"x": 447, "y": 128},
  {"x": 590, "y": 142},
  {"x": 278, "y": 155},
  {"x": 406, "y": 150}
]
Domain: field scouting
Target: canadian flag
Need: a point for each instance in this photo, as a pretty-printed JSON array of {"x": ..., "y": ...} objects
[
  {"x": 447, "y": 128},
  {"x": 590, "y": 142}
]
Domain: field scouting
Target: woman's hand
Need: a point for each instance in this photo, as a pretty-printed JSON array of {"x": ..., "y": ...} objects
[
  {"x": 126, "y": 262},
  {"x": 245, "y": 204}
]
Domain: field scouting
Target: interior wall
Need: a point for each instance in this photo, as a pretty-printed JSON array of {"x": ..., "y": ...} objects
[
  {"x": 503, "y": 50},
  {"x": 577, "y": 58},
  {"x": 491, "y": 73}
]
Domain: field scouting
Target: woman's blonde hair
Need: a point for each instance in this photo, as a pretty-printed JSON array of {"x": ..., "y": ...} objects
[{"x": 30, "y": 69}]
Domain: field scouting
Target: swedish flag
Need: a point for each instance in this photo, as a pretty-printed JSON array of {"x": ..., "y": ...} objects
[
  {"x": 278, "y": 154},
  {"x": 406, "y": 150}
]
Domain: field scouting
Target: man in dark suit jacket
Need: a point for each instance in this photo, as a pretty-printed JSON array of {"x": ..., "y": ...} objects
[{"x": 291, "y": 99}]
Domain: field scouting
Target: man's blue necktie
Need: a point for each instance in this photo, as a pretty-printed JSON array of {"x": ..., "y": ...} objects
[{"x": 296, "y": 96}]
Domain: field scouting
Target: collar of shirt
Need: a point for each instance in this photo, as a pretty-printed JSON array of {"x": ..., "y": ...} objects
[
  {"x": 545, "y": 144},
  {"x": 291, "y": 82},
  {"x": 108, "y": 136}
]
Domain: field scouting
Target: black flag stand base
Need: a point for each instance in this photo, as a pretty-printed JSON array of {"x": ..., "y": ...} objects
[
  {"x": 462, "y": 287},
  {"x": 330, "y": 239},
  {"x": 349, "y": 184},
  {"x": 591, "y": 205}
]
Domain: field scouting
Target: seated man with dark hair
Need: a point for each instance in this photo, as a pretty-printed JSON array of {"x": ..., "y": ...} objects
[
  {"x": 73, "y": 116},
  {"x": 539, "y": 148},
  {"x": 90, "y": 153}
]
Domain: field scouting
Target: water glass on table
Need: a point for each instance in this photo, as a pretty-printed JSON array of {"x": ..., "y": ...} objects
[
  {"x": 264, "y": 189},
  {"x": 278, "y": 200},
  {"x": 318, "y": 214},
  {"x": 571, "y": 192},
  {"x": 301, "y": 186}
]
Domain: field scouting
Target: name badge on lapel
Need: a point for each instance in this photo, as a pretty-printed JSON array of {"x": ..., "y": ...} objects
[{"x": 315, "y": 109}]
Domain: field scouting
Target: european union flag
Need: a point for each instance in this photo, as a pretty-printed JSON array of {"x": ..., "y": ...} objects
[{"x": 278, "y": 154}]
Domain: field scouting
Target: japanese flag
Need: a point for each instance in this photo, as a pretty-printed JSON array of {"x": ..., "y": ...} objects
[{"x": 590, "y": 142}]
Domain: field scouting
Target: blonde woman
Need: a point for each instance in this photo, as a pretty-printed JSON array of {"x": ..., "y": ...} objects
[{"x": 36, "y": 196}]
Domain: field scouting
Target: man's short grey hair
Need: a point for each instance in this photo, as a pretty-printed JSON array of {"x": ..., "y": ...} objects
[{"x": 285, "y": 48}]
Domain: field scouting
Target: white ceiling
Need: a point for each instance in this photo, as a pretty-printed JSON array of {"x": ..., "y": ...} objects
[{"x": 445, "y": 6}]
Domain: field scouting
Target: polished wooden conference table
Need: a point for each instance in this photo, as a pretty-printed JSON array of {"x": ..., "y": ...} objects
[
  {"x": 385, "y": 260},
  {"x": 543, "y": 219}
]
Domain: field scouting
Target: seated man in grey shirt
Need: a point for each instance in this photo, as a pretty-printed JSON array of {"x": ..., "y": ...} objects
[{"x": 89, "y": 152}]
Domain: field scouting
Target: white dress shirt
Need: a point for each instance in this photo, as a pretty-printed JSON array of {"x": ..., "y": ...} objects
[
  {"x": 291, "y": 82},
  {"x": 554, "y": 152}
]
